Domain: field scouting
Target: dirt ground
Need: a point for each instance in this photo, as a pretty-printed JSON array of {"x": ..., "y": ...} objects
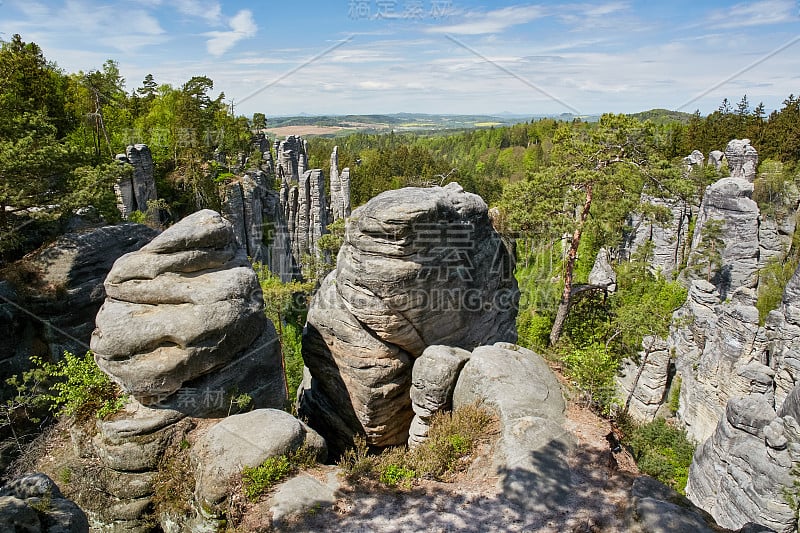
[{"x": 474, "y": 502}]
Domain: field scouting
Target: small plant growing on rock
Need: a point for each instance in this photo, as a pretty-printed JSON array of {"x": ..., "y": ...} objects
[
  {"x": 394, "y": 475},
  {"x": 259, "y": 479}
]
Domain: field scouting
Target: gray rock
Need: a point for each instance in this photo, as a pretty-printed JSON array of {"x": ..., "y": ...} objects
[
  {"x": 602, "y": 274},
  {"x": 739, "y": 479},
  {"x": 418, "y": 267},
  {"x": 62, "y": 319},
  {"x": 33, "y": 503},
  {"x": 184, "y": 319},
  {"x": 669, "y": 239},
  {"x": 695, "y": 159},
  {"x": 656, "y": 508},
  {"x": 742, "y": 159},
  {"x": 643, "y": 386},
  {"x": 715, "y": 158},
  {"x": 433, "y": 379},
  {"x": 242, "y": 440},
  {"x": 729, "y": 200},
  {"x": 340, "y": 188},
  {"x": 302, "y": 494},
  {"x": 134, "y": 192},
  {"x": 530, "y": 456}
]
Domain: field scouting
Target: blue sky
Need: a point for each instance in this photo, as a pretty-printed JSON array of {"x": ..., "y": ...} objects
[{"x": 433, "y": 56}]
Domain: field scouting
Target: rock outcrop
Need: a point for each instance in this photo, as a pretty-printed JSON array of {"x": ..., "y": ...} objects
[
  {"x": 340, "y": 189},
  {"x": 418, "y": 267},
  {"x": 245, "y": 440},
  {"x": 642, "y": 386},
  {"x": 530, "y": 455},
  {"x": 656, "y": 508},
  {"x": 433, "y": 379},
  {"x": 183, "y": 323},
  {"x": 742, "y": 159},
  {"x": 34, "y": 503},
  {"x": 728, "y": 201},
  {"x": 669, "y": 238},
  {"x": 134, "y": 192},
  {"x": 260, "y": 227},
  {"x": 59, "y": 294},
  {"x": 602, "y": 273}
]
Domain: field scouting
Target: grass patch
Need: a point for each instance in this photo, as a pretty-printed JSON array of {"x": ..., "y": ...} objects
[
  {"x": 258, "y": 480},
  {"x": 451, "y": 440}
]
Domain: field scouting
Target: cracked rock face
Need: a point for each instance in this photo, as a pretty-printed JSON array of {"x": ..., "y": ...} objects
[
  {"x": 418, "y": 267},
  {"x": 742, "y": 159},
  {"x": 183, "y": 323}
]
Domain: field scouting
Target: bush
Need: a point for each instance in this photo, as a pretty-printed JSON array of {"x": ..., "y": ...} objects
[
  {"x": 662, "y": 451},
  {"x": 593, "y": 369},
  {"x": 451, "y": 440},
  {"x": 259, "y": 479}
]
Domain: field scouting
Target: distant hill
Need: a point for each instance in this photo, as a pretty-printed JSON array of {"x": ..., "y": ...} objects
[{"x": 663, "y": 116}]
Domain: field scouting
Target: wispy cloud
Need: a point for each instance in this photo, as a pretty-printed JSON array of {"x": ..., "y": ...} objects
[
  {"x": 242, "y": 26},
  {"x": 211, "y": 10},
  {"x": 755, "y": 14},
  {"x": 497, "y": 21}
]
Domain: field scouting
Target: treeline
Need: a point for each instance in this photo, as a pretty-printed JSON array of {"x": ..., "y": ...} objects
[{"x": 59, "y": 134}]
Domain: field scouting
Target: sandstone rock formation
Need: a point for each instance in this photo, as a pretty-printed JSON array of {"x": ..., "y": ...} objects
[
  {"x": 742, "y": 159},
  {"x": 64, "y": 295},
  {"x": 669, "y": 239},
  {"x": 245, "y": 440},
  {"x": 530, "y": 456},
  {"x": 715, "y": 158},
  {"x": 433, "y": 379},
  {"x": 656, "y": 508},
  {"x": 729, "y": 200},
  {"x": 602, "y": 273},
  {"x": 133, "y": 193},
  {"x": 340, "y": 188},
  {"x": 695, "y": 159},
  {"x": 33, "y": 504},
  {"x": 642, "y": 386},
  {"x": 259, "y": 223},
  {"x": 418, "y": 267},
  {"x": 183, "y": 323}
]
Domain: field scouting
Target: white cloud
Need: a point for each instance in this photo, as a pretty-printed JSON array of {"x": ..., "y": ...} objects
[
  {"x": 479, "y": 23},
  {"x": 242, "y": 26},
  {"x": 373, "y": 85},
  {"x": 755, "y": 14},
  {"x": 211, "y": 11}
]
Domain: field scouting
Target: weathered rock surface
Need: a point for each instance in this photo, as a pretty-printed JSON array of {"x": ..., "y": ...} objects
[
  {"x": 715, "y": 158},
  {"x": 183, "y": 324},
  {"x": 602, "y": 274},
  {"x": 695, "y": 159},
  {"x": 433, "y": 379},
  {"x": 729, "y": 200},
  {"x": 340, "y": 188},
  {"x": 656, "y": 508},
  {"x": 33, "y": 504},
  {"x": 245, "y": 440},
  {"x": 418, "y": 267},
  {"x": 303, "y": 494},
  {"x": 642, "y": 386},
  {"x": 669, "y": 239},
  {"x": 741, "y": 473},
  {"x": 64, "y": 297},
  {"x": 134, "y": 192},
  {"x": 530, "y": 456},
  {"x": 742, "y": 159}
]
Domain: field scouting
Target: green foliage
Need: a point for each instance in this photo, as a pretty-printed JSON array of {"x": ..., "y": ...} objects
[
  {"x": 259, "y": 479},
  {"x": 80, "y": 388},
  {"x": 332, "y": 241},
  {"x": 662, "y": 451},
  {"x": 393, "y": 474},
  {"x": 592, "y": 369},
  {"x": 772, "y": 280},
  {"x": 706, "y": 260},
  {"x": 773, "y": 189},
  {"x": 451, "y": 439}
]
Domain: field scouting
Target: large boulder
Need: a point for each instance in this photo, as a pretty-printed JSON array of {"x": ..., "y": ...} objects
[
  {"x": 742, "y": 159},
  {"x": 530, "y": 457},
  {"x": 643, "y": 384},
  {"x": 33, "y": 503},
  {"x": 418, "y": 267},
  {"x": 183, "y": 325},
  {"x": 245, "y": 440}
]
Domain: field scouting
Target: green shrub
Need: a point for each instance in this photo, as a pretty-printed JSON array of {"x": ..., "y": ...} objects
[
  {"x": 662, "y": 451},
  {"x": 772, "y": 280},
  {"x": 451, "y": 439},
  {"x": 79, "y": 388},
  {"x": 593, "y": 369},
  {"x": 675, "y": 395},
  {"x": 393, "y": 475},
  {"x": 259, "y": 479}
]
